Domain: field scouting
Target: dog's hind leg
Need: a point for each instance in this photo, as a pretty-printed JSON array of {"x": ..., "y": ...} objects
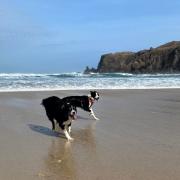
[
  {"x": 52, "y": 121},
  {"x": 53, "y": 124},
  {"x": 92, "y": 114}
]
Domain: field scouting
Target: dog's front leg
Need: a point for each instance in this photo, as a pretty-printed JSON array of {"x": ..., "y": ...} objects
[
  {"x": 67, "y": 134},
  {"x": 69, "y": 128},
  {"x": 92, "y": 114}
]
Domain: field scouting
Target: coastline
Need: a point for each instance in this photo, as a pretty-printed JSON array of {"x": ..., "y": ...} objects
[
  {"x": 136, "y": 138},
  {"x": 88, "y": 89}
]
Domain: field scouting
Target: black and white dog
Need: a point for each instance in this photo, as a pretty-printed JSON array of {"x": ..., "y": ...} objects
[
  {"x": 63, "y": 112},
  {"x": 84, "y": 102}
]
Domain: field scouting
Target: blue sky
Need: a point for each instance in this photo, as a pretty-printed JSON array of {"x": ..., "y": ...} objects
[{"x": 63, "y": 36}]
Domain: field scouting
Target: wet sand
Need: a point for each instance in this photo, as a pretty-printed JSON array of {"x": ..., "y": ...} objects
[{"x": 137, "y": 138}]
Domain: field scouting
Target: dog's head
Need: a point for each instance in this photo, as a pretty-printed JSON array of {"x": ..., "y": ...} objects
[
  {"x": 95, "y": 95},
  {"x": 70, "y": 110}
]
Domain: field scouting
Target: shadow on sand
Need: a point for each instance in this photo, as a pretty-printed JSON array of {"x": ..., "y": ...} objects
[{"x": 44, "y": 130}]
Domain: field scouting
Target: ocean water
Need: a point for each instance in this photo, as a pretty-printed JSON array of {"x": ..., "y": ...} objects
[{"x": 75, "y": 80}]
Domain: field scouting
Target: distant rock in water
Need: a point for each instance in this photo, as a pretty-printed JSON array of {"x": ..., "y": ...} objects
[
  {"x": 90, "y": 70},
  {"x": 163, "y": 59}
]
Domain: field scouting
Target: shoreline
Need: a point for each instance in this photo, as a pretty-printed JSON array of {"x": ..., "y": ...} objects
[{"x": 87, "y": 89}]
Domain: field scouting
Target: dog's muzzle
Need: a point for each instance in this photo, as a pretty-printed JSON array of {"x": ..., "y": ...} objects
[{"x": 73, "y": 115}]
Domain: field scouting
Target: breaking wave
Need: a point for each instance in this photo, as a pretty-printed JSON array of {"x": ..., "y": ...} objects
[{"x": 78, "y": 80}]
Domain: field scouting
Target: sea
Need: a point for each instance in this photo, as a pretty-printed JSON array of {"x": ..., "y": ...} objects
[{"x": 80, "y": 81}]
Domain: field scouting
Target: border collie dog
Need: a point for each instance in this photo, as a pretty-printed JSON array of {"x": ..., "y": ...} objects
[
  {"x": 63, "y": 112},
  {"x": 84, "y": 102}
]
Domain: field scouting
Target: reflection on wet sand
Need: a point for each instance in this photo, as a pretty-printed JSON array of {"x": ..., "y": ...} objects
[
  {"x": 69, "y": 160},
  {"x": 60, "y": 162}
]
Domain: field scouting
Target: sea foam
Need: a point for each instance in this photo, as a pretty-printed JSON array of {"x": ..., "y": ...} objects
[{"x": 77, "y": 80}]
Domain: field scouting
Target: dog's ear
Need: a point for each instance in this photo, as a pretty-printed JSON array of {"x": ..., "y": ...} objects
[
  {"x": 65, "y": 106},
  {"x": 62, "y": 106},
  {"x": 92, "y": 92}
]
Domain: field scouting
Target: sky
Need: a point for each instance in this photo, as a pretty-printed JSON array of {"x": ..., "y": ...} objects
[{"x": 51, "y": 36}]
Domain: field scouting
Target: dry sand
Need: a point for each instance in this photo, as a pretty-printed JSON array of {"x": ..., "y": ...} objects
[{"x": 137, "y": 138}]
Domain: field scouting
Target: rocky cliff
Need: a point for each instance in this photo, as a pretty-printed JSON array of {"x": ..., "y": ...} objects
[{"x": 163, "y": 59}]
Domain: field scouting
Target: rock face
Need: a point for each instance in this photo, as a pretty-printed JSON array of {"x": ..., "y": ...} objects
[{"x": 163, "y": 59}]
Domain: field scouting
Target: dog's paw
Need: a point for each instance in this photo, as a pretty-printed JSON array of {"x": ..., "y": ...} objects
[
  {"x": 71, "y": 139},
  {"x": 96, "y": 118}
]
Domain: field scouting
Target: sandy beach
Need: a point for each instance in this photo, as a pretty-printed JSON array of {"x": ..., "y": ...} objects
[{"x": 137, "y": 137}]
